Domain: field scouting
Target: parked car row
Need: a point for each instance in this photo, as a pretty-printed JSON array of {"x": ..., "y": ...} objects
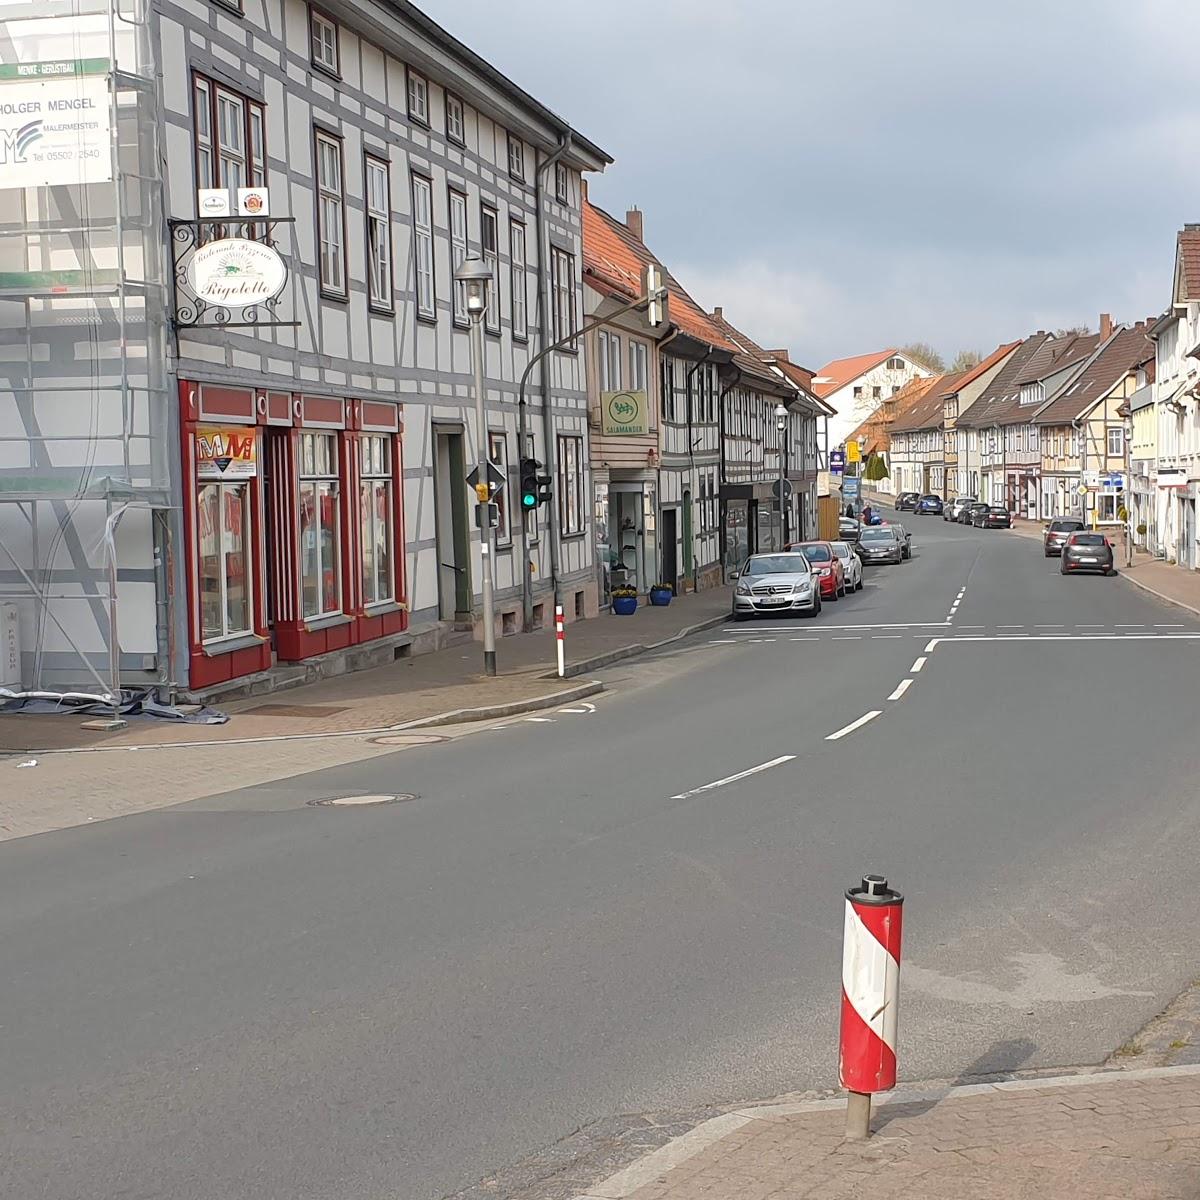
[{"x": 802, "y": 577}]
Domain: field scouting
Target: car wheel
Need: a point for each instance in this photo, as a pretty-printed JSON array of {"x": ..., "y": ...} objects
[
  {"x": 858, "y": 585},
  {"x": 1047, "y": 554},
  {"x": 1111, "y": 571},
  {"x": 834, "y": 595},
  {"x": 737, "y": 616},
  {"x": 1062, "y": 570},
  {"x": 816, "y": 611}
]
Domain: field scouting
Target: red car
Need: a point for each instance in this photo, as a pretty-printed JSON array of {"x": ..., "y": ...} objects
[{"x": 827, "y": 568}]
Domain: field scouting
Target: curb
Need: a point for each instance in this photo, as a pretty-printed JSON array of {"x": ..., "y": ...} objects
[
  {"x": 1159, "y": 595},
  {"x": 457, "y": 716},
  {"x": 603, "y": 660},
  {"x": 655, "y": 1164}
]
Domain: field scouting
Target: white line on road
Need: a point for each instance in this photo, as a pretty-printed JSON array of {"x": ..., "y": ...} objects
[
  {"x": 855, "y": 637},
  {"x": 929, "y": 649},
  {"x": 708, "y": 787},
  {"x": 722, "y": 641},
  {"x": 540, "y": 720},
  {"x": 1140, "y": 625},
  {"x": 1010, "y": 626},
  {"x": 1070, "y": 637},
  {"x": 862, "y": 628},
  {"x": 805, "y": 639},
  {"x": 901, "y": 688},
  {"x": 919, "y": 665},
  {"x": 884, "y": 637},
  {"x": 1035, "y": 627},
  {"x": 1170, "y": 627},
  {"x": 841, "y": 733}
]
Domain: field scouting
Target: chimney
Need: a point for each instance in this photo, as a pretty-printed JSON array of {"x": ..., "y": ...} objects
[
  {"x": 583, "y": 187},
  {"x": 633, "y": 222},
  {"x": 1106, "y": 326},
  {"x": 719, "y": 314}
]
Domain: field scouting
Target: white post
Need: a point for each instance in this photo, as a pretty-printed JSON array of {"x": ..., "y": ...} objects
[{"x": 559, "y": 642}]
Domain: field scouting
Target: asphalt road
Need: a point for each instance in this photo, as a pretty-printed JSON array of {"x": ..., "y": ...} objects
[{"x": 249, "y": 996}]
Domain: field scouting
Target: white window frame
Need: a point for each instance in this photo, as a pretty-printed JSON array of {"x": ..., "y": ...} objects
[
  {"x": 376, "y": 450},
  {"x": 498, "y": 453},
  {"x": 324, "y": 50},
  {"x": 424, "y": 272},
  {"x": 519, "y": 280},
  {"x": 1119, "y": 452},
  {"x": 458, "y": 252},
  {"x": 516, "y": 157},
  {"x": 223, "y": 548},
  {"x": 562, "y": 183},
  {"x": 615, "y": 383},
  {"x": 602, "y": 361},
  {"x": 456, "y": 120},
  {"x": 489, "y": 244},
  {"x": 377, "y": 189},
  {"x": 331, "y": 215},
  {"x": 321, "y": 479},
  {"x": 562, "y": 286},
  {"x": 570, "y": 484},
  {"x": 639, "y": 360},
  {"x": 417, "y": 88}
]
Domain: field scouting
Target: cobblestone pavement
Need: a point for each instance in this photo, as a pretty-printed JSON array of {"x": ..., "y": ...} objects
[{"x": 1130, "y": 1135}]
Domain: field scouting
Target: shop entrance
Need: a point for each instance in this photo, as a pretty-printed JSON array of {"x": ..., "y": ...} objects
[
  {"x": 453, "y": 535},
  {"x": 670, "y": 560}
]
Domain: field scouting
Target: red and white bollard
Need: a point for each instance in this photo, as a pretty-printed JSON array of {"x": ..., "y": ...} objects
[
  {"x": 558, "y": 633},
  {"x": 870, "y": 998}
]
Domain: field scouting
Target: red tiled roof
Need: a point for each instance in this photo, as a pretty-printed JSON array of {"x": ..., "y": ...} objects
[
  {"x": 616, "y": 260},
  {"x": 981, "y": 368},
  {"x": 926, "y": 413},
  {"x": 877, "y": 427},
  {"x": 842, "y": 370},
  {"x": 1188, "y": 255}
]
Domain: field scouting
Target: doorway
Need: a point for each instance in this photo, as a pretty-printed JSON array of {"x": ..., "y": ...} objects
[
  {"x": 670, "y": 559},
  {"x": 688, "y": 547},
  {"x": 453, "y": 536}
]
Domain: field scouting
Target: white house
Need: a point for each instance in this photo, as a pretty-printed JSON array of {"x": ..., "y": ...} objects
[
  {"x": 1177, "y": 382},
  {"x": 855, "y": 387}
]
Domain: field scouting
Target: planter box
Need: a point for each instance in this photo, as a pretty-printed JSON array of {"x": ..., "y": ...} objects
[{"x": 624, "y": 606}]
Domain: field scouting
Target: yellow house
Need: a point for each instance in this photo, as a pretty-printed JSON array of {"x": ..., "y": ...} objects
[{"x": 1081, "y": 431}]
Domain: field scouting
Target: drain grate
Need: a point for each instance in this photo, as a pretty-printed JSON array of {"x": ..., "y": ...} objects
[{"x": 363, "y": 801}]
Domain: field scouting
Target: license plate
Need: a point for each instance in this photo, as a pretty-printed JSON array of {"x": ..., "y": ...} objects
[
  {"x": 1084, "y": 558},
  {"x": 774, "y": 600}
]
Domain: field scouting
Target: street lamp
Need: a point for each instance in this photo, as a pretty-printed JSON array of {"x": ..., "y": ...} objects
[
  {"x": 781, "y": 418},
  {"x": 475, "y": 275},
  {"x": 861, "y": 470}
]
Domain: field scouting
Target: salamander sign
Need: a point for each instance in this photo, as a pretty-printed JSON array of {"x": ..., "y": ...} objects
[{"x": 55, "y": 122}]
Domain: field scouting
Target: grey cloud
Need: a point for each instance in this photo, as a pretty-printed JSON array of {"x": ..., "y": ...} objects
[{"x": 953, "y": 171}]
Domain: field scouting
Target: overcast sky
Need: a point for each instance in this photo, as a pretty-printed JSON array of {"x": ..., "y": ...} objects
[{"x": 848, "y": 175}]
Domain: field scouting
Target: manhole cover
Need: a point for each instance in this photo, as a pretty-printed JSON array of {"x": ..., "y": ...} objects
[
  {"x": 409, "y": 739},
  {"x": 361, "y": 801}
]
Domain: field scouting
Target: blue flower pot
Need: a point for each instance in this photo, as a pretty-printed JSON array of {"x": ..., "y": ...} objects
[
  {"x": 660, "y": 597},
  {"x": 624, "y": 606}
]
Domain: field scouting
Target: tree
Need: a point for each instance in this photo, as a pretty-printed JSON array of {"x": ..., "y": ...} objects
[
  {"x": 964, "y": 360},
  {"x": 876, "y": 468},
  {"x": 924, "y": 355},
  {"x": 1073, "y": 331}
]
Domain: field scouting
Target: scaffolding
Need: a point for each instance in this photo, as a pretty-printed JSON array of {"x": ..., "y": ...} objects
[{"x": 86, "y": 471}]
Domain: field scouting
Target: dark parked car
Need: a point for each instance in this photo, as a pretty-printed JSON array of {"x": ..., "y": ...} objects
[
  {"x": 1087, "y": 551},
  {"x": 967, "y": 516},
  {"x": 953, "y": 509},
  {"x": 906, "y": 501},
  {"x": 993, "y": 516},
  {"x": 930, "y": 506},
  {"x": 880, "y": 545},
  {"x": 1057, "y": 533},
  {"x": 848, "y": 528},
  {"x": 903, "y": 535}
]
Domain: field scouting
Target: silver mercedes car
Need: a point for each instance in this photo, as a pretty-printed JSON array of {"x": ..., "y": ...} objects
[{"x": 777, "y": 584}]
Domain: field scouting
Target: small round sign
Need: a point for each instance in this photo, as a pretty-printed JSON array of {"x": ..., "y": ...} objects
[{"x": 236, "y": 273}]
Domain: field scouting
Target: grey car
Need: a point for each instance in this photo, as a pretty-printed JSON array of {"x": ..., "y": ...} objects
[
  {"x": 904, "y": 536},
  {"x": 880, "y": 544},
  {"x": 777, "y": 585}
]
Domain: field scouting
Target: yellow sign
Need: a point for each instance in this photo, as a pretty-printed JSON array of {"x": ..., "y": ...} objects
[
  {"x": 852, "y": 452},
  {"x": 227, "y": 453},
  {"x": 483, "y": 492},
  {"x": 624, "y": 414}
]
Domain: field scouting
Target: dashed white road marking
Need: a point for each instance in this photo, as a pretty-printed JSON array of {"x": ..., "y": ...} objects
[
  {"x": 1035, "y": 627},
  {"x": 1140, "y": 625},
  {"x": 866, "y": 717},
  {"x": 848, "y": 638},
  {"x": 919, "y": 665},
  {"x": 901, "y": 688},
  {"x": 932, "y": 645},
  {"x": 717, "y": 783},
  {"x": 722, "y": 641},
  {"x": 540, "y": 720},
  {"x": 884, "y": 637},
  {"x": 1069, "y": 637},
  {"x": 1010, "y": 626}
]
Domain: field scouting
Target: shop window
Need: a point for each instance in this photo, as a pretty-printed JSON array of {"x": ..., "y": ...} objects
[
  {"x": 320, "y": 526},
  {"x": 375, "y": 508},
  {"x": 223, "y": 563}
]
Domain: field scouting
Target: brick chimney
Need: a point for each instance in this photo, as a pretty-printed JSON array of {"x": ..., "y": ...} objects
[
  {"x": 633, "y": 222},
  {"x": 719, "y": 314},
  {"x": 1106, "y": 326}
]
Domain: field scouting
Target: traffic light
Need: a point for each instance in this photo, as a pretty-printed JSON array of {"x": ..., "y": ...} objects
[{"x": 529, "y": 483}]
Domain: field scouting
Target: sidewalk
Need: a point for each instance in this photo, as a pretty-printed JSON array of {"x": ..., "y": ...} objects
[
  {"x": 1106, "y": 1136},
  {"x": 406, "y": 691}
]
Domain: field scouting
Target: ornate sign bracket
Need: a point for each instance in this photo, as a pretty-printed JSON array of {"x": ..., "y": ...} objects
[{"x": 193, "y": 311}]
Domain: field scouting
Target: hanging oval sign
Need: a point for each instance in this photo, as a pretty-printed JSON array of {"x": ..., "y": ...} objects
[{"x": 236, "y": 273}]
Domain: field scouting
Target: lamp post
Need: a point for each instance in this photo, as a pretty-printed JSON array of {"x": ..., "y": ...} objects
[
  {"x": 781, "y": 417},
  {"x": 475, "y": 275},
  {"x": 860, "y": 470}
]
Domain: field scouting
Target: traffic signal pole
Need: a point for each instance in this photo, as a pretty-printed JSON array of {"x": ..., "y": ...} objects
[
  {"x": 654, "y": 301},
  {"x": 483, "y": 508}
]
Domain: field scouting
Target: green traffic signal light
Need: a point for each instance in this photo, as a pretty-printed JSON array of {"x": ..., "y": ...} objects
[{"x": 529, "y": 500}]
